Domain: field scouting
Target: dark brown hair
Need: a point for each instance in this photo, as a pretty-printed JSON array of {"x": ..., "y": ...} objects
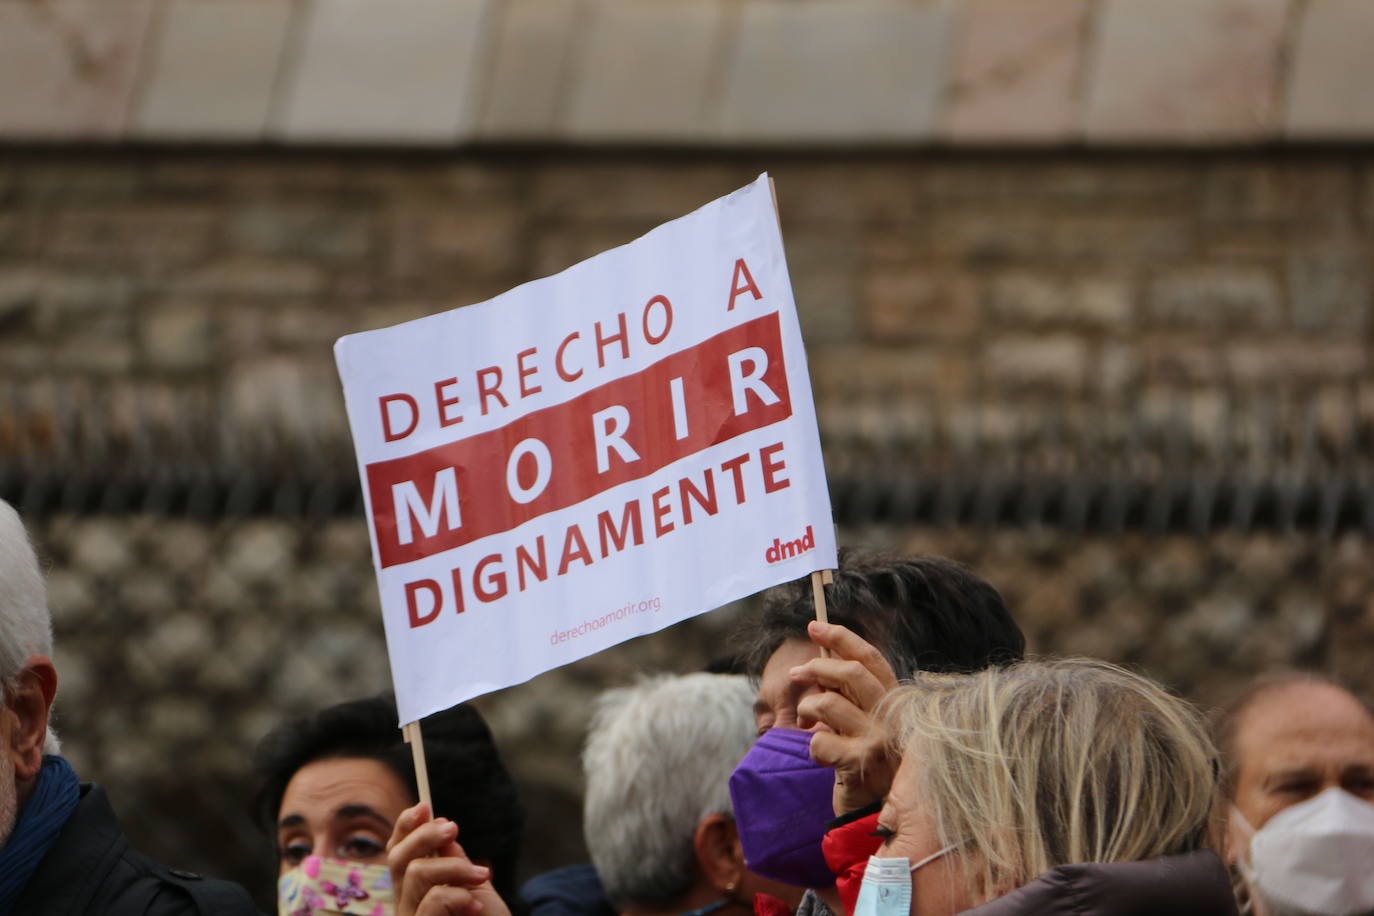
[
  {"x": 468, "y": 780},
  {"x": 922, "y": 613}
]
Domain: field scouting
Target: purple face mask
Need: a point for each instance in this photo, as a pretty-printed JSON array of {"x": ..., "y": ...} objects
[{"x": 782, "y": 802}]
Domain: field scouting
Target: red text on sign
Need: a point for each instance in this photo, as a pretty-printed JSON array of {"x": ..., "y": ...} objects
[
  {"x": 553, "y": 553},
  {"x": 402, "y": 414},
  {"x": 547, "y": 460}
]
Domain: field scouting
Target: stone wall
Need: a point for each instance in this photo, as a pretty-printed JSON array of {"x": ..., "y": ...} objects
[
  {"x": 1180, "y": 319},
  {"x": 213, "y": 284}
]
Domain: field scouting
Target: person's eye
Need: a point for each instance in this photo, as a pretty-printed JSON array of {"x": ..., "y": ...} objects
[
  {"x": 292, "y": 853},
  {"x": 1296, "y": 789},
  {"x": 883, "y": 832},
  {"x": 361, "y": 846}
]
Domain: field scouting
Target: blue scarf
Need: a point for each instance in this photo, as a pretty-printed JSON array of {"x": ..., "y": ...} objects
[{"x": 36, "y": 828}]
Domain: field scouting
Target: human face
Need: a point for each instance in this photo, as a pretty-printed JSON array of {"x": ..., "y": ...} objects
[
  {"x": 1295, "y": 742},
  {"x": 776, "y": 706},
  {"x": 909, "y": 832},
  {"x": 343, "y": 808}
]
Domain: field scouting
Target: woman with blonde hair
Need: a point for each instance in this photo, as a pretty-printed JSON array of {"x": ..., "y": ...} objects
[{"x": 1069, "y": 786}]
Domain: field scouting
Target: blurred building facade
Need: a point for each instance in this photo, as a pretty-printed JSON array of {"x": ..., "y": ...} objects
[{"x": 1085, "y": 285}]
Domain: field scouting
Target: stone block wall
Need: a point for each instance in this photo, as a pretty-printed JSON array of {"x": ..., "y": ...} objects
[{"x": 1222, "y": 299}]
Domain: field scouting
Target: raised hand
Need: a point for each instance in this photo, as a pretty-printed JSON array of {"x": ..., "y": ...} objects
[
  {"x": 855, "y": 677},
  {"x": 431, "y": 874}
]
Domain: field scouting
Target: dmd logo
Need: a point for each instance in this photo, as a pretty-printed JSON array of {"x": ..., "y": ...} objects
[{"x": 786, "y": 550}]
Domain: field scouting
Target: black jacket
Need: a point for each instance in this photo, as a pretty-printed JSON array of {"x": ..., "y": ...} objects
[
  {"x": 1195, "y": 884},
  {"x": 92, "y": 869},
  {"x": 574, "y": 890}
]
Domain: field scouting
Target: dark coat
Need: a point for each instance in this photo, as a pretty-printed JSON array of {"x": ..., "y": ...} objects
[
  {"x": 1195, "y": 884},
  {"x": 574, "y": 890},
  {"x": 92, "y": 869}
]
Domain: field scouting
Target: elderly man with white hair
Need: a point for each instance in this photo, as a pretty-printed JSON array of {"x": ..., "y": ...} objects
[
  {"x": 61, "y": 847},
  {"x": 658, "y": 818}
]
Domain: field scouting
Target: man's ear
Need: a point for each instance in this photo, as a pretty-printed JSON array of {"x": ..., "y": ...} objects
[
  {"x": 719, "y": 857},
  {"x": 30, "y": 703}
]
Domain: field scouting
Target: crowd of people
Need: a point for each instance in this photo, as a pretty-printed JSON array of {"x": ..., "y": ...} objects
[{"x": 903, "y": 759}]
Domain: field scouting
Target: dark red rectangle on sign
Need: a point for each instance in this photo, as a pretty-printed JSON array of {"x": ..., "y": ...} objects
[{"x": 470, "y": 475}]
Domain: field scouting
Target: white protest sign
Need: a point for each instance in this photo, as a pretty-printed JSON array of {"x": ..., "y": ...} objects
[{"x": 589, "y": 457}]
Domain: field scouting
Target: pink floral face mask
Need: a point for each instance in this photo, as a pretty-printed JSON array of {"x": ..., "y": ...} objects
[{"x": 325, "y": 886}]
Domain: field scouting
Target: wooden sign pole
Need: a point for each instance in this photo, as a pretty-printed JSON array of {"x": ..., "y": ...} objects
[
  {"x": 411, "y": 732},
  {"x": 819, "y": 579}
]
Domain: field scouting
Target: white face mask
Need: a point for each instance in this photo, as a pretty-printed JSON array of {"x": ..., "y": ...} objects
[
  {"x": 886, "y": 886},
  {"x": 1315, "y": 857}
]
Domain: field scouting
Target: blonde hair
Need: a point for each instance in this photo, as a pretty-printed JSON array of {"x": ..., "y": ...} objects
[{"x": 1049, "y": 763}]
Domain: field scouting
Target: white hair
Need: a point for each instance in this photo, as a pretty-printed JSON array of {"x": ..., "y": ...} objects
[
  {"x": 25, "y": 624},
  {"x": 658, "y": 759}
]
